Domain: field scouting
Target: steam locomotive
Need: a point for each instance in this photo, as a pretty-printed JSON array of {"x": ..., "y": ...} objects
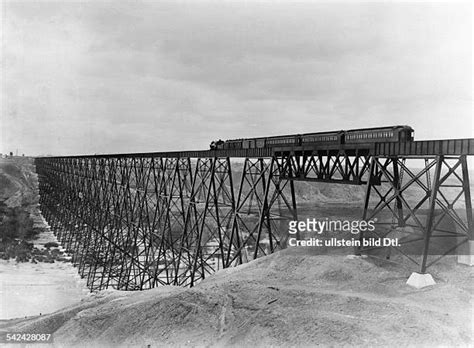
[{"x": 353, "y": 136}]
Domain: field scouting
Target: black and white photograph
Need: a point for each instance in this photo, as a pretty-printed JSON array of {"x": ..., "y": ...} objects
[{"x": 236, "y": 173}]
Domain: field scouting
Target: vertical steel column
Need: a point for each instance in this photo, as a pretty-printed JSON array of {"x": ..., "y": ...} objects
[
  {"x": 467, "y": 197},
  {"x": 235, "y": 233},
  {"x": 225, "y": 258},
  {"x": 264, "y": 213},
  {"x": 398, "y": 193},
  {"x": 431, "y": 212},
  {"x": 366, "y": 201}
]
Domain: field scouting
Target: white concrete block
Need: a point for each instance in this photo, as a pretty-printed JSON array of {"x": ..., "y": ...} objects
[{"x": 419, "y": 281}]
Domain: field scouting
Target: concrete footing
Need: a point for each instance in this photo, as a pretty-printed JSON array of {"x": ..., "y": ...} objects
[
  {"x": 466, "y": 254},
  {"x": 356, "y": 257},
  {"x": 419, "y": 281}
]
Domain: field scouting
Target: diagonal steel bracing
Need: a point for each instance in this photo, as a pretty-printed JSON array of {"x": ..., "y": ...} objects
[
  {"x": 135, "y": 223},
  {"x": 428, "y": 208},
  {"x": 339, "y": 166}
]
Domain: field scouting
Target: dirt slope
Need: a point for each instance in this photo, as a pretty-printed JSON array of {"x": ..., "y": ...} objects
[
  {"x": 18, "y": 181},
  {"x": 291, "y": 298}
]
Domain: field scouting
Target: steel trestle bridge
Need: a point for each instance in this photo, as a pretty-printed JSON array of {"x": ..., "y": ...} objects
[{"x": 137, "y": 221}]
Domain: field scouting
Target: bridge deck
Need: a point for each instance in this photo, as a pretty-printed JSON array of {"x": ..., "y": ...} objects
[{"x": 415, "y": 148}]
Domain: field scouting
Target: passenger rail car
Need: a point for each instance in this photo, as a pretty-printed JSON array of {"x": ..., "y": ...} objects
[{"x": 354, "y": 136}]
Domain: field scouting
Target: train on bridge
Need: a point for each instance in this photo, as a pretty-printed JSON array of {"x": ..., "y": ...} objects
[{"x": 353, "y": 136}]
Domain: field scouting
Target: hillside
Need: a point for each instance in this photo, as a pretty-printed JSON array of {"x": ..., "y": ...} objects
[
  {"x": 291, "y": 298},
  {"x": 18, "y": 182}
]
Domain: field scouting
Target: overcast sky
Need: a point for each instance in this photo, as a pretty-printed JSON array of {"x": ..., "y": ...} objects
[{"x": 153, "y": 76}]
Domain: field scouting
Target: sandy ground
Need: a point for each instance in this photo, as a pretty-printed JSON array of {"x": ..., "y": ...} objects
[{"x": 291, "y": 298}]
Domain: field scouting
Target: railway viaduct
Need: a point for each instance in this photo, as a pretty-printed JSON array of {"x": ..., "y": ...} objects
[{"x": 137, "y": 221}]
